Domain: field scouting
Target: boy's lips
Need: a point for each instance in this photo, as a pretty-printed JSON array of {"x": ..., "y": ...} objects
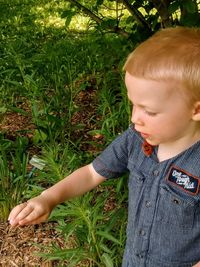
[{"x": 144, "y": 135}]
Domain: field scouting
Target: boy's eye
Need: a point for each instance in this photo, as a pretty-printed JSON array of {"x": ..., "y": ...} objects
[{"x": 150, "y": 113}]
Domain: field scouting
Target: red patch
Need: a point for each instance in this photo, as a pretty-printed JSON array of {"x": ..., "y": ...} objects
[{"x": 147, "y": 148}]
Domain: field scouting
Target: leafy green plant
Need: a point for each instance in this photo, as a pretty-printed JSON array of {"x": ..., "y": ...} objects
[
  {"x": 45, "y": 67},
  {"x": 13, "y": 181},
  {"x": 92, "y": 234},
  {"x": 114, "y": 106},
  {"x": 59, "y": 161}
]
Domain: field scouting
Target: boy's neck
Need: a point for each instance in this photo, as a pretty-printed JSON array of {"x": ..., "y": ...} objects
[{"x": 170, "y": 150}]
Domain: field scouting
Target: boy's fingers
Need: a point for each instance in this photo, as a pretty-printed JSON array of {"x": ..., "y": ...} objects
[
  {"x": 33, "y": 218},
  {"x": 28, "y": 219},
  {"x": 19, "y": 213},
  {"x": 16, "y": 211},
  {"x": 24, "y": 213}
]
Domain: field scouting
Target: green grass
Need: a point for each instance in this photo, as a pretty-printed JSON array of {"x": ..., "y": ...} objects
[
  {"x": 47, "y": 66},
  {"x": 14, "y": 178}
]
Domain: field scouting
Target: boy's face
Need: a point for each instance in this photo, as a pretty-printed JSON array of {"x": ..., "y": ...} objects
[{"x": 160, "y": 111}]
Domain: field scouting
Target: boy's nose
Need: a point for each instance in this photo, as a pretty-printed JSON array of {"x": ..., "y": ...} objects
[{"x": 136, "y": 116}]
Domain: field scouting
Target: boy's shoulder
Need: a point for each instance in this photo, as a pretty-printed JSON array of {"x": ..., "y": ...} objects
[
  {"x": 130, "y": 138},
  {"x": 189, "y": 158}
]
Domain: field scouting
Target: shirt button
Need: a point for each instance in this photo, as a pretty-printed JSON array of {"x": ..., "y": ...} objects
[
  {"x": 142, "y": 232},
  {"x": 176, "y": 201},
  {"x": 140, "y": 256},
  {"x": 148, "y": 204},
  {"x": 140, "y": 179},
  {"x": 156, "y": 172}
]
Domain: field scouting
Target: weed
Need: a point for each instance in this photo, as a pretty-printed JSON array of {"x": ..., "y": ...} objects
[
  {"x": 13, "y": 181},
  {"x": 92, "y": 234}
]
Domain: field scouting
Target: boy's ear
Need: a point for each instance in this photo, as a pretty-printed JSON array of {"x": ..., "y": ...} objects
[{"x": 196, "y": 112}]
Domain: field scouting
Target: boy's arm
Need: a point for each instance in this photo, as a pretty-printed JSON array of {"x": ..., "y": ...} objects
[
  {"x": 38, "y": 209},
  {"x": 76, "y": 184}
]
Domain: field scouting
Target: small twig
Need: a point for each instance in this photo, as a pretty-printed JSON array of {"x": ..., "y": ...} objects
[{"x": 13, "y": 264}]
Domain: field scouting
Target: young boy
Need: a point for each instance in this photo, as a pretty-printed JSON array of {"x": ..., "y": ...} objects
[{"x": 160, "y": 150}]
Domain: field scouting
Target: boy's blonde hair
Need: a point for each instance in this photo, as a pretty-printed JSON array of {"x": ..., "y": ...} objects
[{"x": 170, "y": 54}]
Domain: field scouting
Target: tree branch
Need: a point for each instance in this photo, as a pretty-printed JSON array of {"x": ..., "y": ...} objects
[
  {"x": 97, "y": 19},
  {"x": 86, "y": 11},
  {"x": 162, "y": 8},
  {"x": 137, "y": 15}
]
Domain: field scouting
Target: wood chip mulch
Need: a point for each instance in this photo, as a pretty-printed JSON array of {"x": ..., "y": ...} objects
[{"x": 19, "y": 245}]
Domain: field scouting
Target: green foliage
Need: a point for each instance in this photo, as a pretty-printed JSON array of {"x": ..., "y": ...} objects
[
  {"x": 114, "y": 106},
  {"x": 59, "y": 162},
  {"x": 134, "y": 19},
  {"x": 13, "y": 175},
  {"x": 48, "y": 67},
  {"x": 96, "y": 235}
]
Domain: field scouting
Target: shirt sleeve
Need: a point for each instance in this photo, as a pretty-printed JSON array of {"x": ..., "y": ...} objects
[{"x": 113, "y": 161}]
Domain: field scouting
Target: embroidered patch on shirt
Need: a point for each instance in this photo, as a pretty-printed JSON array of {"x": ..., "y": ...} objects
[{"x": 184, "y": 180}]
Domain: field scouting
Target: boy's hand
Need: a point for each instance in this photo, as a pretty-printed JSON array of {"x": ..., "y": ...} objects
[{"x": 35, "y": 211}]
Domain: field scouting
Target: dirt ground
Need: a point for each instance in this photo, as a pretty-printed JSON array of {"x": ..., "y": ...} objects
[{"x": 19, "y": 246}]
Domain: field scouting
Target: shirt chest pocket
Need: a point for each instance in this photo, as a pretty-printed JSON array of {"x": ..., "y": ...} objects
[
  {"x": 136, "y": 177},
  {"x": 175, "y": 210}
]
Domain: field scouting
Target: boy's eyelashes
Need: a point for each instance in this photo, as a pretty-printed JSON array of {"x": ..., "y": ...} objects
[
  {"x": 150, "y": 113},
  {"x": 146, "y": 111}
]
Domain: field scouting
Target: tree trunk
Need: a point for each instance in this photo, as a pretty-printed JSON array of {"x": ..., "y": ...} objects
[{"x": 162, "y": 8}]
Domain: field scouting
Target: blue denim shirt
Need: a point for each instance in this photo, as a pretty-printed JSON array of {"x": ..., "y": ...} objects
[{"x": 163, "y": 208}]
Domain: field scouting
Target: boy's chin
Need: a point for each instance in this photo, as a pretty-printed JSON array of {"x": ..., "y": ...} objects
[{"x": 152, "y": 142}]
